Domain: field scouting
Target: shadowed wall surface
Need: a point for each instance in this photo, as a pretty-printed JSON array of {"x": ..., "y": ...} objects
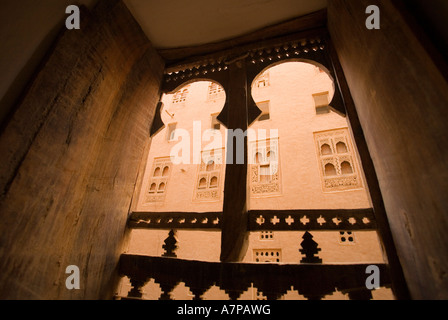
[
  {"x": 70, "y": 157},
  {"x": 400, "y": 95}
]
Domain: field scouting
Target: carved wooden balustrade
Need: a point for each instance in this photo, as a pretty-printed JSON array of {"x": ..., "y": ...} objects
[
  {"x": 313, "y": 281},
  {"x": 310, "y": 278}
]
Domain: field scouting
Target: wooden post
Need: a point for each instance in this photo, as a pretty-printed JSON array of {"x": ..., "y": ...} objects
[
  {"x": 399, "y": 285},
  {"x": 234, "y": 223}
]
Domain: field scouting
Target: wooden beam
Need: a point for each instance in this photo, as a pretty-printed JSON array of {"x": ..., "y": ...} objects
[
  {"x": 235, "y": 51},
  {"x": 317, "y": 19}
]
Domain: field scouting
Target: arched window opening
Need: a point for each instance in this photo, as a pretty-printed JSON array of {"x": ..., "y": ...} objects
[
  {"x": 325, "y": 149},
  {"x": 346, "y": 168},
  {"x": 203, "y": 183},
  {"x": 271, "y": 156},
  {"x": 157, "y": 172},
  {"x": 213, "y": 182},
  {"x": 330, "y": 170},
  {"x": 161, "y": 188},
  {"x": 341, "y": 147}
]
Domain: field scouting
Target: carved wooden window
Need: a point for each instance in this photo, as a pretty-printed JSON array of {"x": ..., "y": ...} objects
[
  {"x": 264, "y": 168},
  {"x": 161, "y": 171},
  {"x": 208, "y": 186},
  {"x": 337, "y": 161},
  {"x": 321, "y": 101}
]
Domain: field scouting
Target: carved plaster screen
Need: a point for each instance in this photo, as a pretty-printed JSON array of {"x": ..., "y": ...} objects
[
  {"x": 158, "y": 183},
  {"x": 264, "y": 169},
  {"x": 209, "y": 182},
  {"x": 338, "y": 165}
]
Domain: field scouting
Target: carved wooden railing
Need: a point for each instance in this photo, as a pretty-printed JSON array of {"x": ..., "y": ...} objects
[{"x": 311, "y": 279}]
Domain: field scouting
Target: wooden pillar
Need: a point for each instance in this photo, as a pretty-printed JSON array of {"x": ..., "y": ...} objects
[
  {"x": 70, "y": 158},
  {"x": 234, "y": 224},
  {"x": 401, "y": 93},
  {"x": 399, "y": 286}
]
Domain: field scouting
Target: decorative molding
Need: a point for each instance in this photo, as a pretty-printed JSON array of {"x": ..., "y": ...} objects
[
  {"x": 158, "y": 195},
  {"x": 210, "y": 192},
  {"x": 310, "y": 22},
  {"x": 310, "y": 48},
  {"x": 272, "y": 184},
  {"x": 261, "y": 220},
  {"x": 318, "y": 220},
  {"x": 175, "y": 220},
  {"x": 339, "y": 181}
]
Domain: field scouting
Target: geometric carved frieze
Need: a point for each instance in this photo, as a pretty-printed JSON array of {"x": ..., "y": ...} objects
[
  {"x": 262, "y": 220},
  {"x": 175, "y": 220},
  {"x": 317, "y": 220}
]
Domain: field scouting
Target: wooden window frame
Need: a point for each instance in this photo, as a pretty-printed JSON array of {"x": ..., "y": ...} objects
[{"x": 240, "y": 111}]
